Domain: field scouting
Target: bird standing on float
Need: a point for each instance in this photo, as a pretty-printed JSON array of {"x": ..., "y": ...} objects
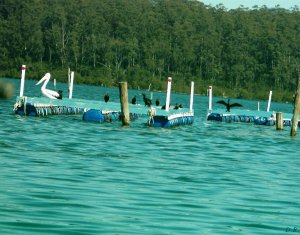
[
  {"x": 106, "y": 97},
  {"x": 133, "y": 100},
  {"x": 47, "y": 92},
  {"x": 147, "y": 101},
  {"x": 228, "y": 105}
]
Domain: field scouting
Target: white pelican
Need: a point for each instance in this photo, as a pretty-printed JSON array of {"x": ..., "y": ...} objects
[{"x": 46, "y": 92}]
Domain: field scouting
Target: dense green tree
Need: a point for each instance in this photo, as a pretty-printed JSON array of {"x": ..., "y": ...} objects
[{"x": 242, "y": 52}]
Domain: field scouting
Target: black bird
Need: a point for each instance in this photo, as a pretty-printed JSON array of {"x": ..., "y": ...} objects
[
  {"x": 228, "y": 105},
  {"x": 133, "y": 100},
  {"x": 157, "y": 102},
  {"x": 164, "y": 106},
  {"x": 147, "y": 101},
  {"x": 178, "y": 106},
  {"x": 106, "y": 98},
  {"x": 60, "y": 94}
]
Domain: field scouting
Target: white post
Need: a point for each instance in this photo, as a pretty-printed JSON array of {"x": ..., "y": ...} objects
[
  {"x": 54, "y": 83},
  {"x": 71, "y": 85},
  {"x": 22, "y": 80},
  {"x": 192, "y": 96},
  {"x": 210, "y": 98},
  {"x": 257, "y": 105},
  {"x": 168, "y": 93},
  {"x": 269, "y": 102},
  {"x": 69, "y": 78}
]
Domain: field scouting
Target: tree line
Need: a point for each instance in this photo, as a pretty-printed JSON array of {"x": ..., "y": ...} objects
[{"x": 242, "y": 52}]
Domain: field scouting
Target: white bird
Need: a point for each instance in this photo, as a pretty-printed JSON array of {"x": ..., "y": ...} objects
[{"x": 46, "y": 92}]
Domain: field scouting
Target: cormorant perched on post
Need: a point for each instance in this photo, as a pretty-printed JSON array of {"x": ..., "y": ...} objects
[
  {"x": 106, "y": 98},
  {"x": 147, "y": 101},
  {"x": 228, "y": 105},
  {"x": 157, "y": 102},
  {"x": 133, "y": 100}
]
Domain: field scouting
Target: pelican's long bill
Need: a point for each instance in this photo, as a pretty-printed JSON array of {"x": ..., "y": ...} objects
[{"x": 46, "y": 77}]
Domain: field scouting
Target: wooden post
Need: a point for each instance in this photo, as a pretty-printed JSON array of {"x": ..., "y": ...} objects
[
  {"x": 279, "y": 121},
  {"x": 124, "y": 103},
  {"x": 296, "y": 109}
]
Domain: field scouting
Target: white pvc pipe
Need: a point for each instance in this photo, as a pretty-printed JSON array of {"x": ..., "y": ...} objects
[
  {"x": 269, "y": 102},
  {"x": 69, "y": 78},
  {"x": 210, "y": 98},
  {"x": 71, "y": 85},
  {"x": 54, "y": 83},
  {"x": 192, "y": 96},
  {"x": 168, "y": 93},
  {"x": 257, "y": 105},
  {"x": 22, "y": 80}
]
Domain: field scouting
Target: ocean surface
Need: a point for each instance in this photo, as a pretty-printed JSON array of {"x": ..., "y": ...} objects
[{"x": 61, "y": 175}]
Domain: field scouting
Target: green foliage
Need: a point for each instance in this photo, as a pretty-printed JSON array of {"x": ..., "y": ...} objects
[{"x": 243, "y": 53}]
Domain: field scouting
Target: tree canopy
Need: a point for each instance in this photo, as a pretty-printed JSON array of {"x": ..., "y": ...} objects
[{"x": 242, "y": 53}]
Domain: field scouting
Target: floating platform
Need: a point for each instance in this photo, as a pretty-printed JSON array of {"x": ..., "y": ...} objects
[
  {"x": 99, "y": 111},
  {"x": 42, "y": 106},
  {"x": 248, "y": 116},
  {"x": 95, "y": 115},
  {"x": 171, "y": 120},
  {"x": 35, "y": 106},
  {"x": 157, "y": 117}
]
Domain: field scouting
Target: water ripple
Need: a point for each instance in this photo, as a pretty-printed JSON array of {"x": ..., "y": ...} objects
[{"x": 60, "y": 175}]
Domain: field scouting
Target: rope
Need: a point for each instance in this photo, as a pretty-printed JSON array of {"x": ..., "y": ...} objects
[
  {"x": 151, "y": 113},
  {"x": 21, "y": 101}
]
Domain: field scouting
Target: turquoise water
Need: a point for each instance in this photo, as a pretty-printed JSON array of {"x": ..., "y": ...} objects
[{"x": 60, "y": 175}]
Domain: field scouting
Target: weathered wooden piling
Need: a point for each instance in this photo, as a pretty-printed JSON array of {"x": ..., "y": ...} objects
[
  {"x": 296, "y": 109},
  {"x": 124, "y": 103},
  {"x": 279, "y": 121}
]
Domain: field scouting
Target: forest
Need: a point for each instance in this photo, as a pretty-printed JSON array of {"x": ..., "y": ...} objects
[{"x": 242, "y": 53}]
